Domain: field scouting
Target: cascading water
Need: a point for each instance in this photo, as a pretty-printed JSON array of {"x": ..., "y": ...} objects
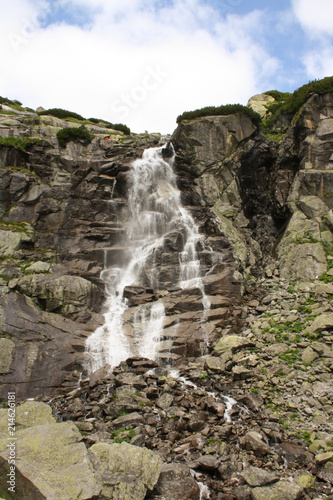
[{"x": 154, "y": 213}]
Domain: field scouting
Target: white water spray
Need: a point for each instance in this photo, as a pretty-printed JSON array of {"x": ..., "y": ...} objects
[{"x": 155, "y": 212}]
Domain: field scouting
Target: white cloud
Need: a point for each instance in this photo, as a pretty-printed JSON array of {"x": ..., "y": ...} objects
[
  {"x": 136, "y": 64},
  {"x": 315, "y": 15},
  {"x": 319, "y": 63}
]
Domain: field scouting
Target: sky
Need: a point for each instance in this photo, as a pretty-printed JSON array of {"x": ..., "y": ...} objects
[{"x": 144, "y": 62}]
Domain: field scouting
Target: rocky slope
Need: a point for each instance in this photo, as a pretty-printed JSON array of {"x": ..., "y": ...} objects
[{"x": 266, "y": 208}]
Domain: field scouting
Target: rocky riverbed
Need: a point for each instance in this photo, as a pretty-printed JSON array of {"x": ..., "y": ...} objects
[{"x": 250, "y": 420}]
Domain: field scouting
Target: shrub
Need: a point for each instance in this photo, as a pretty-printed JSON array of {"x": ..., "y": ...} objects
[
  {"x": 115, "y": 126},
  {"x": 122, "y": 128},
  {"x": 14, "y": 104},
  {"x": 61, "y": 113},
  {"x": 290, "y": 104},
  {"x": 228, "y": 109},
  {"x": 81, "y": 134}
]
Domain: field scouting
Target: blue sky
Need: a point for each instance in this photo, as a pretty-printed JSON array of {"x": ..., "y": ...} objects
[{"x": 143, "y": 62}]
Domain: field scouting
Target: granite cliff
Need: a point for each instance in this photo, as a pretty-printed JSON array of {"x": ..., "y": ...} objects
[{"x": 264, "y": 207}]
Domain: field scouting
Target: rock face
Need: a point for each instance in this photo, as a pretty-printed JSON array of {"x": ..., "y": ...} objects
[
  {"x": 264, "y": 209},
  {"x": 253, "y": 199}
]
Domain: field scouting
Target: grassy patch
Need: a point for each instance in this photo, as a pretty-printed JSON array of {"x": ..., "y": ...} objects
[
  {"x": 291, "y": 356},
  {"x": 7, "y": 112},
  {"x": 13, "y": 226},
  {"x": 22, "y": 143},
  {"x": 273, "y": 137},
  {"x": 123, "y": 435},
  {"x": 22, "y": 170}
]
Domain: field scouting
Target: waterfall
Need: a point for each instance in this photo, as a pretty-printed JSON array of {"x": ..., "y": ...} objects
[{"x": 155, "y": 216}]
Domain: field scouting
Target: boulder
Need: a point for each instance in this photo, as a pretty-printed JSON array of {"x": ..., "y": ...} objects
[
  {"x": 63, "y": 294},
  {"x": 326, "y": 473},
  {"x": 176, "y": 482},
  {"x": 254, "y": 441},
  {"x": 11, "y": 241},
  {"x": 282, "y": 490},
  {"x": 52, "y": 464},
  {"x": 232, "y": 343},
  {"x": 322, "y": 322},
  {"x": 124, "y": 471},
  {"x": 260, "y": 102},
  {"x": 38, "y": 267},
  {"x": 32, "y": 413},
  {"x": 215, "y": 364},
  {"x": 312, "y": 206},
  {"x": 258, "y": 477}
]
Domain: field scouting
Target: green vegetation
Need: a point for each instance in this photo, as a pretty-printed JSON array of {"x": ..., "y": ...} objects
[
  {"x": 122, "y": 128},
  {"x": 114, "y": 126},
  {"x": 81, "y": 134},
  {"x": 291, "y": 356},
  {"x": 21, "y": 143},
  {"x": 326, "y": 278},
  {"x": 123, "y": 435},
  {"x": 290, "y": 104},
  {"x": 13, "y": 104},
  {"x": 307, "y": 238},
  {"x": 280, "y": 97},
  {"x": 228, "y": 109},
  {"x": 23, "y": 170},
  {"x": 7, "y": 112},
  {"x": 213, "y": 441},
  {"x": 273, "y": 137},
  {"x": 61, "y": 113},
  {"x": 305, "y": 435},
  {"x": 122, "y": 413},
  {"x": 13, "y": 226}
]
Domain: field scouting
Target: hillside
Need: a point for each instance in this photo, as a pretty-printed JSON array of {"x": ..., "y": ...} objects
[{"x": 238, "y": 283}]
